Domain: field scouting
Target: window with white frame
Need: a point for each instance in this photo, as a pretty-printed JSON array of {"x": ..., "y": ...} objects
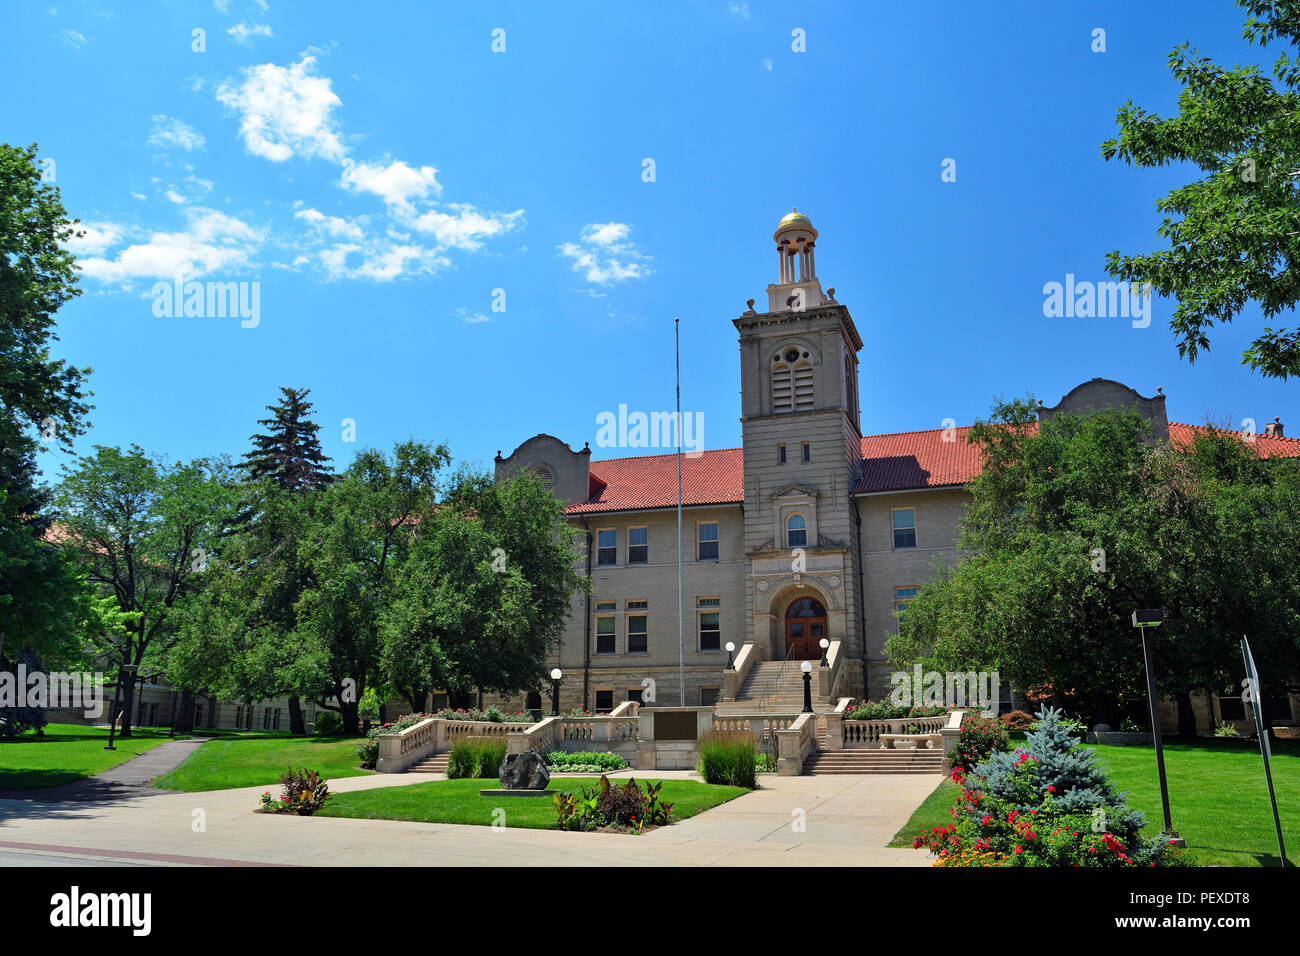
[
  {"x": 707, "y": 543},
  {"x": 796, "y": 531},
  {"x": 904, "y": 528},
  {"x": 638, "y": 545}
]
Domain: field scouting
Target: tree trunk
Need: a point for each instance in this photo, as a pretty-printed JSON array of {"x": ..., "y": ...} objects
[
  {"x": 351, "y": 720},
  {"x": 297, "y": 723},
  {"x": 185, "y": 712},
  {"x": 1186, "y": 716}
]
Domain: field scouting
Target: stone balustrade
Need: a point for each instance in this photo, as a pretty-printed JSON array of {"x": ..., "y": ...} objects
[
  {"x": 826, "y": 675},
  {"x": 865, "y": 734},
  {"x": 732, "y": 680},
  {"x": 763, "y": 726},
  {"x": 794, "y": 744},
  {"x": 434, "y": 735}
]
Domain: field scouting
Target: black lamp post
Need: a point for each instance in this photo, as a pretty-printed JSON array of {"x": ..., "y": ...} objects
[
  {"x": 556, "y": 674},
  {"x": 806, "y": 667},
  {"x": 731, "y": 661},
  {"x": 112, "y": 720},
  {"x": 825, "y": 644},
  {"x": 1154, "y": 617}
]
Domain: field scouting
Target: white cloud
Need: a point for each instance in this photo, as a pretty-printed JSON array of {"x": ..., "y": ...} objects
[
  {"x": 211, "y": 241},
  {"x": 241, "y": 33},
  {"x": 465, "y": 227},
  {"x": 739, "y": 8},
  {"x": 380, "y": 261},
  {"x": 285, "y": 111},
  {"x": 397, "y": 183},
  {"x": 223, "y": 6},
  {"x": 603, "y": 255},
  {"x": 173, "y": 196},
  {"x": 330, "y": 225},
  {"x": 766, "y": 64},
  {"x": 474, "y": 318},
  {"x": 99, "y": 236},
  {"x": 73, "y": 39},
  {"x": 168, "y": 131}
]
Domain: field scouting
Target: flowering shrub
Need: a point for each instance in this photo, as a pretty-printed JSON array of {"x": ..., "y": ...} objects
[
  {"x": 980, "y": 737},
  {"x": 368, "y": 752},
  {"x": 491, "y": 714},
  {"x": 626, "y": 807},
  {"x": 1046, "y": 804},
  {"x": 884, "y": 710}
]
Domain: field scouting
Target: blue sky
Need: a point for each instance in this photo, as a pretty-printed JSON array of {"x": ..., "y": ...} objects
[{"x": 380, "y": 171}]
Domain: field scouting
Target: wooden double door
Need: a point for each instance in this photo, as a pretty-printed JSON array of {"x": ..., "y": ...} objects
[{"x": 805, "y": 626}]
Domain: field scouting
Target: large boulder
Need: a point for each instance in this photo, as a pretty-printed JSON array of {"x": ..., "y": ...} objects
[{"x": 525, "y": 771}]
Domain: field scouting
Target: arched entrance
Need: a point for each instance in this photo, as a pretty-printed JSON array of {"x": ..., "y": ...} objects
[{"x": 805, "y": 626}]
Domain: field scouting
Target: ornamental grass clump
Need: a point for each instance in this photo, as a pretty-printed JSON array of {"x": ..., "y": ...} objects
[
  {"x": 1045, "y": 804},
  {"x": 475, "y": 758},
  {"x": 729, "y": 757}
]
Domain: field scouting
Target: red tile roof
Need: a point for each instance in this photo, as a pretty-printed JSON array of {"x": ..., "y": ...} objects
[
  {"x": 650, "y": 481},
  {"x": 901, "y": 461}
]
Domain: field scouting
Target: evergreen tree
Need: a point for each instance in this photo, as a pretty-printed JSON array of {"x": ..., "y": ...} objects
[{"x": 289, "y": 452}]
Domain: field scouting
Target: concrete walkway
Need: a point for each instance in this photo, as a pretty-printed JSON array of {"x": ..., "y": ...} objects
[
  {"x": 116, "y": 783},
  {"x": 790, "y": 821}
]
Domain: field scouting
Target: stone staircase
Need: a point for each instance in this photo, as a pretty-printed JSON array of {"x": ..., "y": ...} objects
[
  {"x": 768, "y": 690},
  {"x": 874, "y": 761},
  {"x": 435, "y": 763}
]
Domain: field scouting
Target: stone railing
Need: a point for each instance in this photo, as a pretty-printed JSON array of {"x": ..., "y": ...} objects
[
  {"x": 629, "y": 708},
  {"x": 764, "y": 727},
  {"x": 865, "y": 734},
  {"x": 732, "y": 680},
  {"x": 600, "y": 729},
  {"x": 826, "y": 675},
  {"x": 398, "y": 751},
  {"x": 541, "y": 736},
  {"x": 434, "y": 735},
  {"x": 794, "y": 744}
]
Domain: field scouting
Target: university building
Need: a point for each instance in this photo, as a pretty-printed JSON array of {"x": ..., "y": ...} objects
[{"x": 809, "y": 531}]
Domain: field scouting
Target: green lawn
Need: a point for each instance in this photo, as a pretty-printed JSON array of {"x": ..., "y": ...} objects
[
  {"x": 258, "y": 759},
  {"x": 1217, "y": 798},
  {"x": 458, "y": 801},
  {"x": 67, "y": 753}
]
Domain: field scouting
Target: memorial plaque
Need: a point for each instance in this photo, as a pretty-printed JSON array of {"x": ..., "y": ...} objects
[{"x": 676, "y": 725}]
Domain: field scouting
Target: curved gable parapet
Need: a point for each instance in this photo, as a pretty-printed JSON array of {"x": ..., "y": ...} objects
[
  {"x": 567, "y": 471},
  {"x": 1103, "y": 394}
]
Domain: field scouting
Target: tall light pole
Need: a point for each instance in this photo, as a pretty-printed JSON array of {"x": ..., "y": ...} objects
[
  {"x": 806, "y": 667},
  {"x": 556, "y": 674},
  {"x": 1154, "y": 617}
]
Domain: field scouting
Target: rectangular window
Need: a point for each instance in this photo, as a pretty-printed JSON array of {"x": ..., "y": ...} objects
[
  {"x": 904, "y": 528},
  {"x": 709, "y": 696},
  {"x": 607, "y": 547},
  {"x": 903, "y": 597},
  {"x": 707, "y": 533},
  {"x": 637, "y": 605},
  {"x": 638, "y": 547},
  {"x": 780, "y": 454},
  {"x": 275, "y": 719},
  {"x": 606, "y": 605},
  {"x": 636, "y": 634},
  {"x": 266, "y": 718},
  {"x": 604, "y": 701},
  {"x": 710, "y": 627},
  {"x": 604, "y": 635},
  {"x": 634, "y": 693},
  {"x": 807, "y": 452}
]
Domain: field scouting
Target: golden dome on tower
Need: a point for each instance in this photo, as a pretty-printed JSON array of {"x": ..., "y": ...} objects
[{"x": 794, "y": 219}]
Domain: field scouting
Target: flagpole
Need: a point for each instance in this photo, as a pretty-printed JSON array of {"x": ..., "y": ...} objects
[{"x": 681, "y": 639}]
